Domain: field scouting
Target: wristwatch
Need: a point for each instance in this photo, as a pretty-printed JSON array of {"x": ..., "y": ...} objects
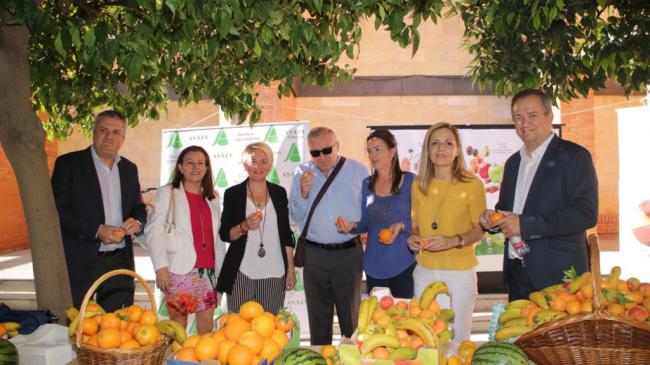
[{"x": 461, "y": 241}]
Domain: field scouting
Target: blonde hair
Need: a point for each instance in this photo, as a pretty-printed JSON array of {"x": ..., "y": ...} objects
[
  {"x": 426, "y": 170},
  {"x": 257, "y": 146}
]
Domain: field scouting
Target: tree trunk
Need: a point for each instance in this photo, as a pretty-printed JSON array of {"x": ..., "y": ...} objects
[{"x": 23, "y": 139}]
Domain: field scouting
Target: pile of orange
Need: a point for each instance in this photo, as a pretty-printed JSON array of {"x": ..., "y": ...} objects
[
  {"x": 243, "y": 338},
  {"x": 128, "y": 328}
]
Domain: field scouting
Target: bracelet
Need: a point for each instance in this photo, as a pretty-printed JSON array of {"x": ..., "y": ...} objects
[
  {"x": 241, "y": 229},
  {"x": 461, "y": 241}
]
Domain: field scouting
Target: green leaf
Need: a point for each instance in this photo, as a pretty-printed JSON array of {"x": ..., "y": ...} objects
[
  {"x": 318, "y": 5},
  {"x": 559, "y": 4},
  {"x": 536, "y": 21},
  {"x": 416, "y": 41},
  {"x": 58, "y": 46},
  {"x": 89, "y": 38},
  {"x": 75, "y": 35}
]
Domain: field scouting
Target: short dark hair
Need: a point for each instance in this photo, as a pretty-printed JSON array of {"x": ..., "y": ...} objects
[
  {"x": 388, "y": 138},
  {"x": 547, "y": 103},
  {"x": 114, "y": 114},
  {"x": 207, "y": 187}
]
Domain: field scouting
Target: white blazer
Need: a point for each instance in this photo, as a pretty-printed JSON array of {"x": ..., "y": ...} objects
[{"x": 182, "y": 258}]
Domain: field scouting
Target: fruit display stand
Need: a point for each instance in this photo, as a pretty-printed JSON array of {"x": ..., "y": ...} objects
[
  {"x": 597, "y": 337},
  {"x": 90, "y": 355}
]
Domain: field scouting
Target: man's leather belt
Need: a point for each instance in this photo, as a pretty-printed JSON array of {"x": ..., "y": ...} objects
[{"x": 334, "y": 246}]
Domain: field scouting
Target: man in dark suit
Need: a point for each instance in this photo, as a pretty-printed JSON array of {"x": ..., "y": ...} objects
[
  {"x": 97, "y": 195},
  {"x": 549, "y": 198}
]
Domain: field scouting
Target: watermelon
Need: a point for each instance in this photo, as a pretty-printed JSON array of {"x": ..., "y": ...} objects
[
  {"x": 299, "y": 356},
  {"x": 499, "y": 353},
  {"x": 8, "y": 353}
]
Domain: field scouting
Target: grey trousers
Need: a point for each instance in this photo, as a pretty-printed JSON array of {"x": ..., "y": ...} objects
[{"x": 332, "y": 278}]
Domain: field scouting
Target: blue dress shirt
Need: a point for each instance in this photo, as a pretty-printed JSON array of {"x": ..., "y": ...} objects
[{"x": 343, "y": 198}]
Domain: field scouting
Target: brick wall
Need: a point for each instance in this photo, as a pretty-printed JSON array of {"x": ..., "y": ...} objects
[
  {"x": 589, "y": 123},
  {"x": 12, "y": 219}
]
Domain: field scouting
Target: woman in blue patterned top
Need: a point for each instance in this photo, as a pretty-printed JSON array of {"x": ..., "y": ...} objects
[{"x": 386, "y": 204}]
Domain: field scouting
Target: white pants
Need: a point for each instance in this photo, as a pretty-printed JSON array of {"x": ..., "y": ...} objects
[{"x": 463, "y": 288}]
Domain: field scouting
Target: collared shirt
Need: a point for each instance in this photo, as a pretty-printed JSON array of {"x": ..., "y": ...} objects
[
  {"x": 527, "y": 168},
  {"x": 109, "y": 184},
  {"x": 343, "y": 198}
]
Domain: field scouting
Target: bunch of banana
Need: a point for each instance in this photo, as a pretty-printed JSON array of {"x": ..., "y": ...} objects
[
  {"x": 539, "y": 298},
  {"x": 421, "y": 329},
  {"x": 510, "y": 314},
  {"x": 402, "y": 353},
  {"x": 72, "y": 313},
  {"x": 74, "y": 317},
  {"x": 547, "y": 316},
  {"x": 577, "y": 283},
  {"x": 511, "y": 331},
  {"x": 172, "y": 329},
  {"x": 366, "y": 308},
  {"x": 519, "y": 303},
  {"x": 551, "y": 288},
  {"x": 12, "y": 328},
  {"x": 377, "y": 340},
  {"x": 430, "y": 293}
]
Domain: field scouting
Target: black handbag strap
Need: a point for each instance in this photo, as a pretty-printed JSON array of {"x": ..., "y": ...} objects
[{"x": 321, "y": 192}]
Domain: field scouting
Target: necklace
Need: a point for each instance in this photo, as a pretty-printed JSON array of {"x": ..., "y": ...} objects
[
  {"x": 261, "y": 252},
  {"x": 434, "y": 224},
  {"x": 203, "y": 244}
]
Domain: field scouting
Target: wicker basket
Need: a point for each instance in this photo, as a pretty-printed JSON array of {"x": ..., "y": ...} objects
[
  {"x": 592, "y": 338},
  {"x": 146, "y": 355}
]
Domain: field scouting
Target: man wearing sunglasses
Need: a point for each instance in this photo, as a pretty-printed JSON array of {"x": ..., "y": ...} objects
[{"x": 333, "y": 260}]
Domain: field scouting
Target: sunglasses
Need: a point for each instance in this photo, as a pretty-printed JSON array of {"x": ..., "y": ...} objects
[{"x": 325, "y": 151}]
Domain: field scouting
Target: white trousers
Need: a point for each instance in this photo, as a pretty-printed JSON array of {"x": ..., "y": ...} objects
[{"x": 463, "y": 288}]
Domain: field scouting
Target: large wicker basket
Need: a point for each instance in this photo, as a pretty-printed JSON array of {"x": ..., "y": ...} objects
[
  {"x": 146, "y": 355},
  {"x": 592, "y": 338}
]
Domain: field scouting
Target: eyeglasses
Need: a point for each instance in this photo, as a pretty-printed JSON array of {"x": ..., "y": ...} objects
[
  {"x": 325, "y": 151},
  {"x": 376, "y": 149}
]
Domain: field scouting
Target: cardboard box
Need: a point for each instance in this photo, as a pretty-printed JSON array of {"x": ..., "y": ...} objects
[
  {"x": 48, "y": 345},
  {"x": 350, "y": 355}
]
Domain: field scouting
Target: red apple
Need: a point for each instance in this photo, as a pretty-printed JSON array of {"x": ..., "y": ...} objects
[
  {"x": 633, "y": 284},
  {"x": 386, "y": 302},
  {"x": 637, "y": 312}
]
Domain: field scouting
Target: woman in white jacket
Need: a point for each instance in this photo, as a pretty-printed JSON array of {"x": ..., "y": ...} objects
[{"x": 183, "y": 240}]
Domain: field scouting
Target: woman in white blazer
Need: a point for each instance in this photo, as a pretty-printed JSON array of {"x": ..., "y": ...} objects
[{"x": 183, "y": 240}]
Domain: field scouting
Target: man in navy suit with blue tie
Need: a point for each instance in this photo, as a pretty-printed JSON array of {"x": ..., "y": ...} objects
[{"x": 549, "y": 198}]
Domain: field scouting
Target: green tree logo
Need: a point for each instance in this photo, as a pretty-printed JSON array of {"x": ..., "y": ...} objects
[
  {"x": 271, "y": 136},
  {"x": 221, "y": 139},
  {"x": 221, "y": 180},
  {"x": 171, "y": 177},
  {"x": 175, "y": 141},
  {"x": 162, "y": 308},
  {"x": 299, "y": 284},
  {"x": 294, "y": 154},
  {"x": 273, "y": 177}
]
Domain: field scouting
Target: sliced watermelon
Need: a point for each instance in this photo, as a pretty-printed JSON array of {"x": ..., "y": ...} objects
[
  {"x": 642, "y": 234},
  {"x": 645, "y": 207}
]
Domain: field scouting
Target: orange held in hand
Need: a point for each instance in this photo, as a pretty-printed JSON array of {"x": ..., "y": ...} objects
[
  {"x": 259, "y": 213},
  {"x": 385, "y": 236},
  {"x": 118, "y": 234},
  {"x": 496, "y": 216},
  {"x": 340, "y": 220}
]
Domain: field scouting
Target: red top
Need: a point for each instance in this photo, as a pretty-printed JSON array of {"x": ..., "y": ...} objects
[{"x": 201, "y": 219}]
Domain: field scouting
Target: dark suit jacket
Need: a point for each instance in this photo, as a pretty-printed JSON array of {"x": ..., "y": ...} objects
[
  {"x": 234, "y": 212},
  {"x": 78, "y": 200},
  {"x": 561, "y": 204}
]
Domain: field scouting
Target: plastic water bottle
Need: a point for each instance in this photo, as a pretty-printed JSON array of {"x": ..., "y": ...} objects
[{"x": 520, "y": 246}]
